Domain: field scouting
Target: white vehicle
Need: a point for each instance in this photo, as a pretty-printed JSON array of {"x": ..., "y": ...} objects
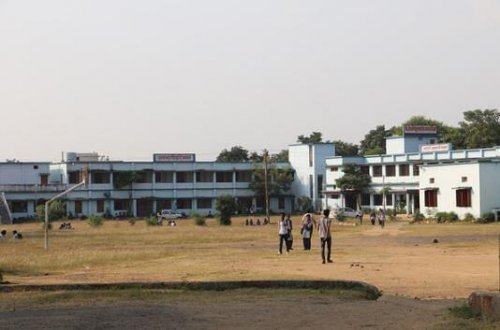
[
  {"x": 168, "y": 215},
  {"x": 347, "y": 212}
]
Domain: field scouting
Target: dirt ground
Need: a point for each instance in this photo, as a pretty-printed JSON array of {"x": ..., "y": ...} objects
[
  {"x": 420, "y": 280},
  {"x": 288, "y": 312}
]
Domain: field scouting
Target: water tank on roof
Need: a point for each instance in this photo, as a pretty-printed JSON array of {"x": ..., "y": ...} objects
[{"x": 70, "y": 157}]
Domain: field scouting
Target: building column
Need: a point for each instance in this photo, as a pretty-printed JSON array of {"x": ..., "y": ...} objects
[{"x": 134, "y": 207}]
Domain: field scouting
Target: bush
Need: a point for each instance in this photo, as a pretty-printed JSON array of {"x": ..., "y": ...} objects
[
  {"x": 417, "y": 217},
  {"x": 131, "y": 221},
  {"x": 225, "y": 206},
  {"x": 390, "y": 213},
  {"x": 199, "y": 220},
  {"x": 446, "y": 217},
  {"x": 152, "y": 221},
  {"x": 340, "y": 216},
  {"x": 469, "y": 217},
  {"x": 487, "y": 218},
  {"x": 95, "y": 221},
  {"x": 57, "y": 210}
]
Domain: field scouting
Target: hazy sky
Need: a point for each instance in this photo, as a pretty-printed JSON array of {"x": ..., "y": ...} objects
[{"x": 130, "y": 78}]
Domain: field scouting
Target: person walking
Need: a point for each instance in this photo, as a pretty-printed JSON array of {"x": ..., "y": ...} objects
[
  {"x": 373, "y": 216},
  {"x": 307, "y": 230},
  {"x": 289, "y": 240},
  {"x": 381, "y": 218},
  {"x": 325, "y": 235},
  {"x": 283, "y": 233}
]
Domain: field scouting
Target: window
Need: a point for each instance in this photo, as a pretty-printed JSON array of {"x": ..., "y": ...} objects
[
  {"x": 464, "y": 179},
  {"x": 390, "y": 170},
  {"x": 164, "y": 177},
  {"x": 431, "y": 180},
  {"x": 19, "y": 206},
  {"x": 377, "y": 199},
  {"x": 100, "y": 177},
  {"x": 121, "y": 204},
  {"x": 184, "y": 203},
  {"x": 100, "y": 205},
  {"x": 365, "y": 170},
  {"x": 35, "y": 167},
  {"x": 224, "y": 176},
  {"x": 365, "y": 199},
  {"x": 320, "y": 185},
  {"x": 334, "y": 169},
  {"x": 73, "y": 177},
  {"x": 145, "y": 176},
  {"x": 431, "y": 198},
  {"x": 44, "y": 179},
  {"x": 184, "y": 177},
  {"x": 416, "y": 169},
  {"x": 404, "y": 170},
  {"x": 388, "y": 199},
  {"x": 311, "y": 189},
  {"x": 243, "y": 176},
  {"x": 163, "y": 204},
  {"x": 281, "y": 203},
  {"x": 310, "y": 156},
  {"x": 78, "y": 207},
  {"x": 205, "y": 176},
  {"x": 464, "y": 197},
  {"x": 377, "y": 170},
  {"x": 204, "y": 203}
]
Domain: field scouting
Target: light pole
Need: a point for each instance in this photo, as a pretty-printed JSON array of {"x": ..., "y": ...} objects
[{"x": 266, "y": 193}]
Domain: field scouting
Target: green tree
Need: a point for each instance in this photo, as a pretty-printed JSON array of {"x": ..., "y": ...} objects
[
  {"x": 126, "y": 179},
  {"x": 225, "y": 206},
  {"x": 481, "y": 128},
  {"x": 374, "y": 142},
  {"x": 304, "y": 204},
  {"x": 255, "y": 157},
  {"x": 235, "y": 155},
  {"x": 313, "y": 138},
  {"x": 281, "y": 157},
  {"x": 57, "y": 211},
  {"x": 279, "y": 181},
  {"x": 354, "y": 181},
  {"x": 343, "y": 148}
]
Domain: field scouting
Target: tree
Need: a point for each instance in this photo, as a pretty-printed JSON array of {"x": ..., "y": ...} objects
[
  {"x": 481, "y": 128},
  {"x": 57, "y": 210},
  {"x": 354, "y": 181},
  {"x": 256, "y": 158},
  {"x": 345, "y": 148},
  {"x": 374, "y": 141},
  {"x": 226, "y": 206},
  {"x": 313, "y": 138},
  {"x": 281, "y": 157},
  {"x": 235, "y": 155},
  {"x": 304, "y": 204},
  {"x": 279, "y": 180},
  {"x": 127, "y": 179}
]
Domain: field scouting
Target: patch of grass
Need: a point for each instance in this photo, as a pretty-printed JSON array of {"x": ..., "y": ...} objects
[{"x": 462, "y": 317}]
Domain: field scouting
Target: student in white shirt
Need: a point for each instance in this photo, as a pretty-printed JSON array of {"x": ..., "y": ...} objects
[{"x": 325, "y": 235}]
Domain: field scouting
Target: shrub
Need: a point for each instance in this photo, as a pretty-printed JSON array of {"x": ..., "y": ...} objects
[
  {"x": 225, "y": 206},
  {"x": 152, "y": 221},
  {"x": 199, "y": 220},
  {"x": 418, "y": 216},
  {"x": 452, "y": 217},
  {"x": 390, "y": 213},
  {"x": 57, "y": 210},
  {"x": 469, "y": 217},
  {"x": 440, "y": 217},
  {"x": 446, "y": 217},
  {"x": 131, "y": 221},
  {"x": 95, "y": 221},
  {"x": 487, "y": 218},
  {"x": 340, "y": 216}
]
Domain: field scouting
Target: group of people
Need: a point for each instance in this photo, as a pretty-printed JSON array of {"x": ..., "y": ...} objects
[
  {"x": 285, "y": 228},
  {"x": 257, "y": 222},
  {"x": 380, "y": 216},
  {"x": 66, "y": 226},
  {"x": 15, "y": 235}
]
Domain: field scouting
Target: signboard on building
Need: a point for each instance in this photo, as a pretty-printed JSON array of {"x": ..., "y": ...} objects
[
  {"x": 435, "y": 147},
  {"x": 186, "y": 158},
  {"x": 419, "y": 129}
]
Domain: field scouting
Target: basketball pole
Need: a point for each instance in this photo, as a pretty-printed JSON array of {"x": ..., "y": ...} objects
[{"x": 84, "y": 181}]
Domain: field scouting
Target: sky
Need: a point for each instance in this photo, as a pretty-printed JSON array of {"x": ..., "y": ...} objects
[{"x": 128, "y": 78}]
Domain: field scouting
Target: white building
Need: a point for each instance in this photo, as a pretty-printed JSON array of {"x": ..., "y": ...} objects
[{"x": 416, "y": 175}]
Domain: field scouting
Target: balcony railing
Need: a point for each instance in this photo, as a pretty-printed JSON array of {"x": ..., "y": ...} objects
[{"x": 32, "y": 188}]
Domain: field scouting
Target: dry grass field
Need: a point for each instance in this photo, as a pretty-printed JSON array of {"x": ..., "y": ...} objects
[{"x": 400, "y": 259}]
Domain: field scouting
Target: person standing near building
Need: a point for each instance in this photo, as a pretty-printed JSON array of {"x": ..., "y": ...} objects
[
  {"x": 289, "y": 240},
  {"x": 381, "y": 218},
  {"x": 283, "y": 233},
  {"x": 325, "y": 235},
  {"x": 307, "y": 230}
]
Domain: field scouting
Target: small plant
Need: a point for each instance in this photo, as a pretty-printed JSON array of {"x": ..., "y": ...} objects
[
  {"x": 464, "y": 311},
  {"x": 417, "y": 217},
  {"x": 131, "y": 221},
  {"x": 152, "y": 221},
  {"x": 340, "y": 216},
  {"x": 198, "y": 219},
  {"x": 95, "y": 221},
  {"x": 487, "y": 218},
  {"x": 225, "y": 206},
  {"x": 390, "y": 213},
  {"x": 469, "y": 217}
]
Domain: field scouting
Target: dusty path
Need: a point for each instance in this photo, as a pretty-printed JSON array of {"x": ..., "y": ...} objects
[{"x": 389, "y": 312}]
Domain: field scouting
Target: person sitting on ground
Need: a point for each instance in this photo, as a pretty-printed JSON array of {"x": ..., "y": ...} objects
[
  {"x": 246, "y": 222},
  {"x": 258, "y": 222},
  {"x": 16, "y": 235},
  {"x": 3, "y": 234},
  {"x": 251, "y": 222}
]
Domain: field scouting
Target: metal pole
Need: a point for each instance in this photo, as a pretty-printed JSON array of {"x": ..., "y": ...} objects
[
  {"x": 47, "y": 210},
  {"x": 265, "y": 186},
  {"x": 498, "y": 262}
]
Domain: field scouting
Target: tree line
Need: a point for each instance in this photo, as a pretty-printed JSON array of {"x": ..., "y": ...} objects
[{"x": 478, "y": 129}]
